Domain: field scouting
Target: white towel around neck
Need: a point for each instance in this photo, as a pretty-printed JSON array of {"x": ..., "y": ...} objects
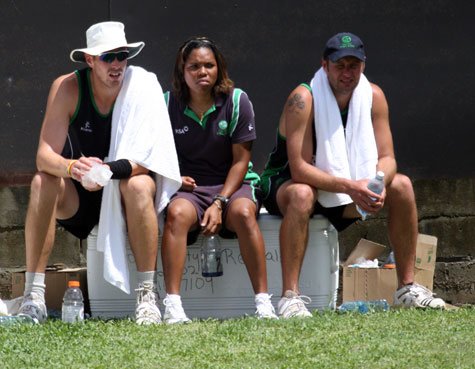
[
  {"x": 141, "y": 132},
  {"x": 354, "y": 157}
]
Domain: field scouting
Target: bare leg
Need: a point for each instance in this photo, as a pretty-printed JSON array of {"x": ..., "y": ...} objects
[
  {"x": 138, "y": 193},
  {"x": 296, "y": 202},
  {"x": 50, "y": 197},
  {"x": 402, "y": 226},
  {"x": 241, "y": 219},
  {"x": 181, "y": 218}
]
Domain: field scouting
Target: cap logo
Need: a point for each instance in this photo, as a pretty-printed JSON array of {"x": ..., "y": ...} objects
[{"x": 346, "y": 42}]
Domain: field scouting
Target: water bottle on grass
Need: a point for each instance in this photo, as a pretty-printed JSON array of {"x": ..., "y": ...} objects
[
  {"x": 73, "y": 304},
  {"x": 375, "y": 185},
  {"x": 364, "y": 306},
  {"x": 12, "y": 320}
]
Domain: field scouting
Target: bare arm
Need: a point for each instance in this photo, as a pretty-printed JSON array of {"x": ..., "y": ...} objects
[
  {"x": 137, "y": 169},
  {"x": 62, "y": 100},
  {"x": 61, "y": 105},
  {"x": 237, "y": 173},
  {"x": 241, "y": 155},
  {"x": 298, "y": 119},
  {"x": 382, "y": 134}
]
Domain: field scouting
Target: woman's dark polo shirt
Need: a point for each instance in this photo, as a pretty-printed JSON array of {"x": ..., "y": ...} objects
[{"x": 205, "y": 147}]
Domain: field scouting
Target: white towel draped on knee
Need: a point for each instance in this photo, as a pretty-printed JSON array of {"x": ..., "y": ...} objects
[
  {"x": 141, "y": 132},
  {"x": 354, "y": 156}
]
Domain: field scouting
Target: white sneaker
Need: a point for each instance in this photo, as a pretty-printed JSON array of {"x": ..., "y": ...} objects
[
  {"x": 174, "y": 313},
  {"x": 293, "y": 305},
  {"x": 264, "y": 308},
  {"x": 34, "y": 308},
  {"x": 146, "y": 309},
  {"x": 417, "y": 296}
]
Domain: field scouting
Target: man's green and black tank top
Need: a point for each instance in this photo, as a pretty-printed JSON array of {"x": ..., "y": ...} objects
[
  {"x": 277, "y": 166},
  {"x": 89, "y": 131}
]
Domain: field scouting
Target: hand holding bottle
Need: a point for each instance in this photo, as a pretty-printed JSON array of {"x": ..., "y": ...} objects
[{"x": 375, "y": 185}]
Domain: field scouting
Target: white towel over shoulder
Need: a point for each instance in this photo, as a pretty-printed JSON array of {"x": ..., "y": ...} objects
[
  {"x": 141, "y": 132},
  {"x": 354, "y": 156}
]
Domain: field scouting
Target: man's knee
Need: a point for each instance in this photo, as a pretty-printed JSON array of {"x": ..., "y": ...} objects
[
  {"x": 180, "y": 213},
  {"x": 401, "y": 188},
  {"x": 300, "y": 199},
  {"x": 43, "y": 180},
  {"x": 137, "y": 187}
]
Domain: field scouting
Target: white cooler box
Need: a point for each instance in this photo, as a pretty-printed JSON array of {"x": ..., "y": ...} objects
[{"x": 230, "y": 295}]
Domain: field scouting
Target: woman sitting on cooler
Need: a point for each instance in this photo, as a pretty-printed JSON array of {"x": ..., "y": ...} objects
[{"x": 213, "y": 126}]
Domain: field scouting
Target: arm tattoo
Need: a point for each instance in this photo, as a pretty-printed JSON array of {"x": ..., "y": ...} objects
[{"x": 296, "y": 104}]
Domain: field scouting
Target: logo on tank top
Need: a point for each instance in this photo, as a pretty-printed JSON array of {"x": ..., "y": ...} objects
[
  {"x": 181, "y": 131},
  {"x": 86, "y": 127},
  {"x": 222, "y": 128}
]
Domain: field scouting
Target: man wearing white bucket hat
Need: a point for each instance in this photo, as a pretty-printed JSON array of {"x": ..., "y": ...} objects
[{"x": 104, "y": 112}]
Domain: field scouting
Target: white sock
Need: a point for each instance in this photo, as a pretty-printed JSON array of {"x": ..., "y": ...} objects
[
  {"x": 260, "y": 298},
  {"x": 175, "y": 299},
  {"x": 35, "y": 282},
  {"x": 146, "y": 277}
]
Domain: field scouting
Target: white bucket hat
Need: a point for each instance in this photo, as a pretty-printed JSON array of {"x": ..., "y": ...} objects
[{"x": 105, "y": 36}]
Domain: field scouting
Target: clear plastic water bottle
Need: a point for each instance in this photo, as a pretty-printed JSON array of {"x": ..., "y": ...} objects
[
  {"x": 364, "y": 306},
  {"x": 73, "y": 304},
  {"x": 13, "y": 319},
  {"x": 390, "y": 262},
  {"x": 211, "y": 257},
  {"x": 375, "y": 185}
]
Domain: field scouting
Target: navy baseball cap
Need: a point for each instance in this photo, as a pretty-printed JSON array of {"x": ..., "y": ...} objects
[{"x": 344, "y": 44}]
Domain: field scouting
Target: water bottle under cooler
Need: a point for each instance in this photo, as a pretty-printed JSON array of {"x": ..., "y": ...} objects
[
  {"x": 73, "y": 304},
  {"x": 211, "y": 257},
  {"x": 375, "y": 185}
]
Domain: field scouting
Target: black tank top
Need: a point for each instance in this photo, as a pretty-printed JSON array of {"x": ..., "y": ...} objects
[{"x": 89, "y": 131}]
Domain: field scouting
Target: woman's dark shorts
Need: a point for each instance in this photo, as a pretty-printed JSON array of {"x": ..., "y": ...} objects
[{"x": 203, "y": 196}]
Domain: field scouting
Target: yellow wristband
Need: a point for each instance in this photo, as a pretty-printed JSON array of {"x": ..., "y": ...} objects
[
  {"x": 71, "y": 163},
  {"x": 216, "y": 202}
]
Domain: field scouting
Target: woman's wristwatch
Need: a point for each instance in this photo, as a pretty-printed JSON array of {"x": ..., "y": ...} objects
[{"x": 224, "y": 200}]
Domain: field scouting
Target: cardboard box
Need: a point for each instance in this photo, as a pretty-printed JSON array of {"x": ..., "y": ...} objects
[
  {"x": 425, "y": 260},
  {"x": 368, "y": 284},
  {"x": 56, "y": 280}
]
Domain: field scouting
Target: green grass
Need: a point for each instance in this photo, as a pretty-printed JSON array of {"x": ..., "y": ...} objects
[{"x": 396, "y": 339}]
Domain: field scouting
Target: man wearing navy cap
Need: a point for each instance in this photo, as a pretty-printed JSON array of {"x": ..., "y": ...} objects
[{"x": 333, "y": 137}]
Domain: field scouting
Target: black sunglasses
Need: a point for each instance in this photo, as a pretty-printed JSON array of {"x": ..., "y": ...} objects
[{"x": 110, "y": 57}]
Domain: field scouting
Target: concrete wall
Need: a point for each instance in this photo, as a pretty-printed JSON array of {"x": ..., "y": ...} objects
[{"x": 443, "y": 212}]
